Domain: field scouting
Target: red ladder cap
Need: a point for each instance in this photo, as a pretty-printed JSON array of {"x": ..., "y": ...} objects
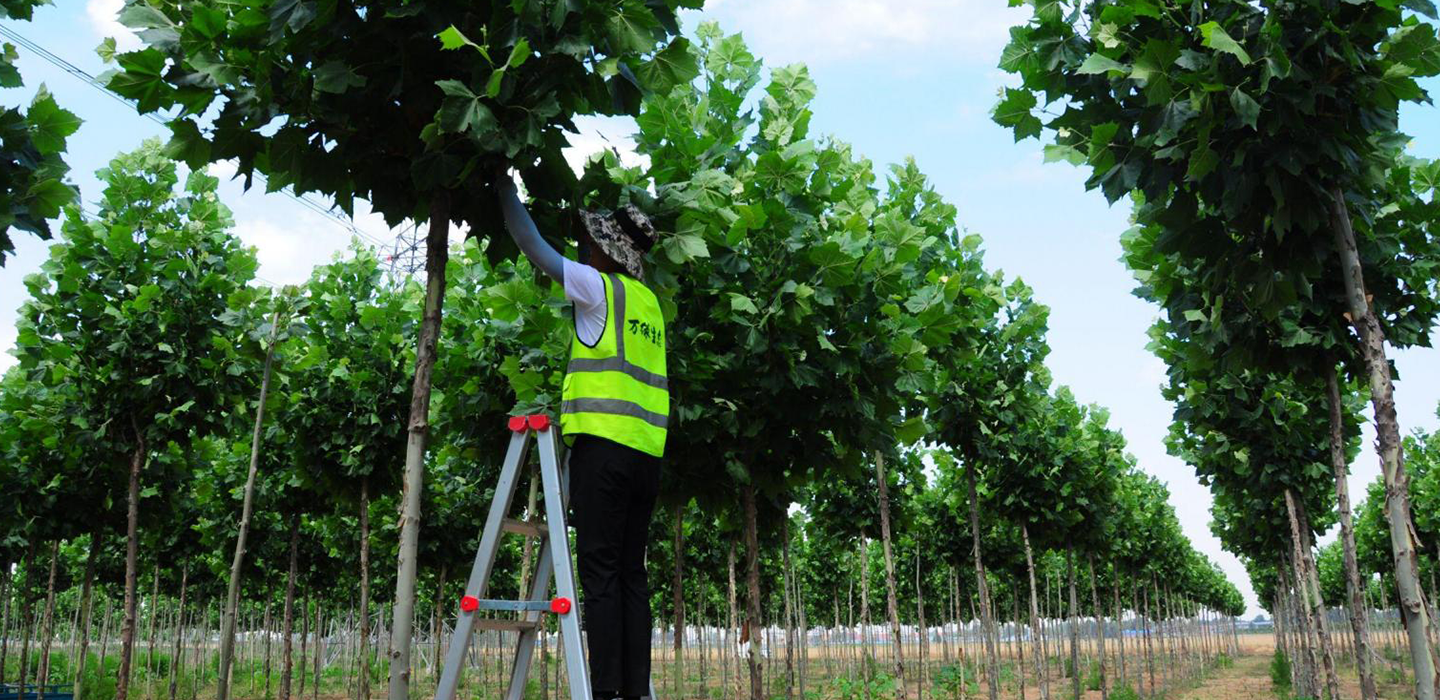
[
  {"x": 469, "y": 603},
  {"x": 517, "y": 424},
  {"x": 560, "y": 606},
  {"x": 539, "y": 421}
]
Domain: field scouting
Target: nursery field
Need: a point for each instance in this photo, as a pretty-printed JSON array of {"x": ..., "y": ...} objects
[{"x": 848, "y": 471}]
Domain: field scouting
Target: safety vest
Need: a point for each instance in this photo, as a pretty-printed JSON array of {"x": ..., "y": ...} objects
[{"x": 616, "y": 389}]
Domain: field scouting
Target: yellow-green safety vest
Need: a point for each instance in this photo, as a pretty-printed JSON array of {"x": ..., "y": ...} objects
[{"x": 616, "y": 389}]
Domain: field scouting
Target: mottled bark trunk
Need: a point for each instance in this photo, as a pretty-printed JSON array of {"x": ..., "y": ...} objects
[
  {"x": 1099, "y": 627},
  {"x": 232, "y": 599},
  {"x": 1308, "y": 588},
  {"x": 175, "y": 661},
  {"x": 48, "y": 627},
  {"x": 892, "y": 608},
  {"x": 1403, "y": 541},
  {"x": 1074, "y": 620},
  {"x": 987, "y": 621},
  {"x": 752, "y": 581},
  {"x": 1041, "y": 672},
  {"x": 437, "y": 253},
  {"x": 363, "y": 619},
  {"x": 677, "y": 599},
  {"x": 132, "y": 560},
  {"x": 287, "y": 662},
  {"x": 1359, "y": 623},
  {"x": 86, "y": 606}
]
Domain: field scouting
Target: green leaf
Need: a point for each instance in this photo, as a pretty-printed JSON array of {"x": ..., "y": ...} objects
[
  {"x": 458, "y": 114},
  {"x": 209, "y": 22},
  {"x": 911, "y": 430},
  {"x": 683, "y": 248},
  {"x": 451, "y": 38},
  {"x": 1245, "y": 106},
  {"x": 455, "y": 88},
  {"x": 1056, "y": 152},
  {"x": 139, "y": 78},
  {"x": 1215, "y": 37},
  {"x": 740, "y": 302},
  {"x": 519, "y": 54},
  {"x": 337, "y": 78},
  {"x": 673, "y": 66},
  {"x": 1100, "y": 63},
  {"x": 106, "y": 50},
  {"x": 49, "y": 124},
  {"x": 1014, "y": 112}
]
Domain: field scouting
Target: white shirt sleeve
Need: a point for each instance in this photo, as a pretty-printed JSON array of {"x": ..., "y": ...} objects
[{"x": 586, "y": 288}]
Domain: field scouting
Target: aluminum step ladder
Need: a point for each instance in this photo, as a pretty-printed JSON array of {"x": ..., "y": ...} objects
[{"x": 555, "y": 483}]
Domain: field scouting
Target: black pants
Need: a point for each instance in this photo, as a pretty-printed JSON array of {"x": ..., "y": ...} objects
[{"x": 612, "y": 495}]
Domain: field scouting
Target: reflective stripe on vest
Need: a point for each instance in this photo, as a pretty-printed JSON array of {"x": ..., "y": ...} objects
[{"x": 617, "y": 389}]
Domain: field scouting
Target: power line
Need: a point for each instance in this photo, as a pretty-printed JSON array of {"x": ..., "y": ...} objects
[{"x": 94, "y": 82}]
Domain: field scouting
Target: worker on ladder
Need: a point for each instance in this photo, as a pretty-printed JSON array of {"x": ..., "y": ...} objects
[{"x": 614, "y": 411}]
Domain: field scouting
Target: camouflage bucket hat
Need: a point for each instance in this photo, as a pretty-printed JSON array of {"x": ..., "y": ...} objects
[{"x": 625, "y": 235}]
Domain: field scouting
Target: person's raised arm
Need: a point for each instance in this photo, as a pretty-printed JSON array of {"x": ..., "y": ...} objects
[{"x": 522, "y": 229}]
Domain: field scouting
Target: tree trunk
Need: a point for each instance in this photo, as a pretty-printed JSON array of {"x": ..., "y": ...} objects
[
  {"x": 1074, "y": 621},
  {"x": 789, "y": 610},
  {"x": 86, "y": 602},
  {"x": 287, "y": 661},
  {"x": 1019, "y": 646},
  {"x": 923, "y": 651},
  {"x": 319, "y": 652},
  {"x": 48, "y": 628},
  {"x": 304, "y": 643},
  {"x": 232, "y": 599},
  {"x": 1041, "y": 675},
  {"x": 1149, "y": 645},
  {"x": 678, "y": 600},
  {"x": 1359, "y": 624},
  {"x": 1309, "y": 588},
  {"x": 866, "y": 659},
  {"x": 436, "y": 255},
  {"x": 132, "y": 556},
  {"x": 1120, "y": 627},
  {"x": 1099, "y": 627},
  {"x": 734, "y": 619},
  {"x": 1403, "y": 541},
  {"x": 752, "y": 580},
  {"x": 363, "y": 686},
  {"x": 892, "y": 608},
  {"x": 179, "y": 625},
  {"x": 26, "y": 621},
  {"x": 7, "y": 584},
  {"x": 1308, "y": 676},
  {"x": 1317, "y": 601},
  {"x": 987, "y": 622}
]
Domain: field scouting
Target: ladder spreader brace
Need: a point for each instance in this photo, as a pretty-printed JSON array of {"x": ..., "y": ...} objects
[{"x": 556, "y": 484}]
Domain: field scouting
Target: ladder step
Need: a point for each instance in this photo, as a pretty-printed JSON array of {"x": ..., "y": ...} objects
[
  {"x": 492, "y": 624},
  {"x": 514, "y": 605},
  {"x": 521, "y": 527}
]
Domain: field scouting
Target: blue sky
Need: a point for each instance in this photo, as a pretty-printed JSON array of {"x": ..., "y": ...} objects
[{"x": 897, "y": 78}]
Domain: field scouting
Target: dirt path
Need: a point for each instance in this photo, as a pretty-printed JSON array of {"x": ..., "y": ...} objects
[{"x": 1248, "y": 679}]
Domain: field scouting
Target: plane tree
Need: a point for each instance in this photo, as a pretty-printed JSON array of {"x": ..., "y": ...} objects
[
  {"x": 1259, "y": 141},
  {"x": 129, "y": 311},
  {"x": 409, "y": 106}
]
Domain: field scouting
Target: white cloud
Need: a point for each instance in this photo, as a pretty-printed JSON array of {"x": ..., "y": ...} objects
[
  {"x": 819, "y": 31},
  {"x": 103, "y": 21},
  {"x": 603, "y": 134}
]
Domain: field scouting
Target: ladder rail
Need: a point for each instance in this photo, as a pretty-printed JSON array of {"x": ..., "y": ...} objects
[
  {"x": 484, "y": 562},
  {"x": 576, "y": 665},
  {"x": 555, "y": 566}
]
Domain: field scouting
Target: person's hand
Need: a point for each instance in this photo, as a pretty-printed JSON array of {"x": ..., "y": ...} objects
[{"x": 501, "y": 178}]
